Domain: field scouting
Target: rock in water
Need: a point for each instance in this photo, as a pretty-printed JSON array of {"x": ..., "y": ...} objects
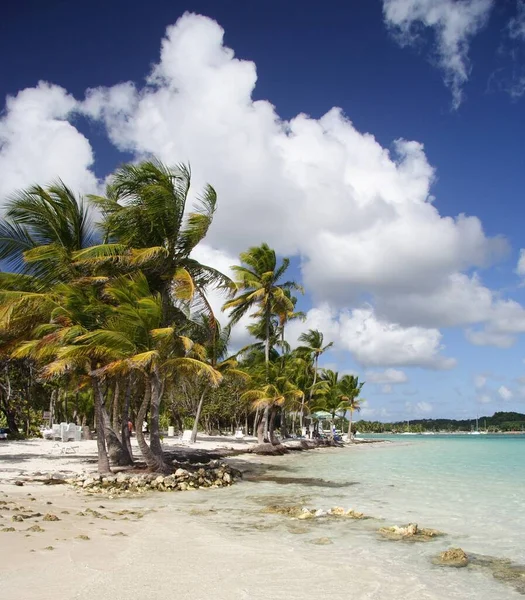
[{"x": 453, "y": 557}]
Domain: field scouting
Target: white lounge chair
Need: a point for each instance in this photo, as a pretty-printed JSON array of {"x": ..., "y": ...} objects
[
  {"x": 239, "y": 435},
  {"x": 186, "y": 436}
]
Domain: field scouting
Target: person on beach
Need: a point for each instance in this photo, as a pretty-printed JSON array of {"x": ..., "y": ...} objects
[{"x": 130, "y": 427}]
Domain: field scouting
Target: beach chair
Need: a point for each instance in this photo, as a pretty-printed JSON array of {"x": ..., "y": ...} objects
[
  {"x": 186, "y": 436},
  {"x": 55, "y": 431},
  {"x": 239, "y": 435}
]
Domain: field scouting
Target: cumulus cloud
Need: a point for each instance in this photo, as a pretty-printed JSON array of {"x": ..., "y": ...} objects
[
  {"x": 374, "y": 342},
  {"x": 460, "y": 300},
  {"x": 453, "y": 22},
  {"x": 359, "y": 215},
  {"x": 39, "y": 145},
  {"x": 504, "y": 393},
  {"x": 388, "y": 376},
  {"x": 351, "y": 201}
]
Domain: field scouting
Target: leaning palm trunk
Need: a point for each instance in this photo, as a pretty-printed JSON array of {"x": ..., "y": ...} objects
[
  {"x": 262, "y": 426},
  {"x": 118, "y": 453},
  {"x": 195, "y": 430},
  {"x": 154, "y": 462},
  {"x": 271, "y": 428},
  {"x": 103, "y": 460}
]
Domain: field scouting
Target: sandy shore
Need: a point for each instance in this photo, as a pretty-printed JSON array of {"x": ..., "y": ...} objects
[{"x": 127, "y": 547}]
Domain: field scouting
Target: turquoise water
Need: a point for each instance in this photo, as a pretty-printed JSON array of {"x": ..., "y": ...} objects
[{"x": 470, "y": 487}]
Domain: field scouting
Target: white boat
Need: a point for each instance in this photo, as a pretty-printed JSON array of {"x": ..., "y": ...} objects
[{"x": 476, "y": 431}]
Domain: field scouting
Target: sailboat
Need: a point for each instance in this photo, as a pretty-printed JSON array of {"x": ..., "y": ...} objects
[{"x": 476, "y": 431}]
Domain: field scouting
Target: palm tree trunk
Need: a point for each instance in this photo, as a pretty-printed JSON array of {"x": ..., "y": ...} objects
[
  {"x": 284, "y": 428},
  {"x": 154, "y": 462},
  {"x": 310, "y": 393},
  {"x": 271, "y": 428},
  {"x": 261, "y": 426},
  {"x": 124, "y": 427},
  {"x": 350, "y": 439},
  {"x": 195, "y": 430},
  {"x": 103, "y": 459},
  {"x": 116, "y": 406},
  {"x": 118, "y": 453},
  {"x": 156, "y": 397}
]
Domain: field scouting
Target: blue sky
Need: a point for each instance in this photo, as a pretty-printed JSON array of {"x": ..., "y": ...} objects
[{"x": 425, "y": 306}]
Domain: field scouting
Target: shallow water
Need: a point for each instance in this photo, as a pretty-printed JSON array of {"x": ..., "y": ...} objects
[{"x": 470, "y": 487}]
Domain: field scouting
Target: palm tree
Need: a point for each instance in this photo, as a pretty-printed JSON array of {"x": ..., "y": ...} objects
[
  {"x": 132, "y": 339},
  {"x": 258, "y": 286},
  {"x": 313, "y": 341},
  {"x": 42, "y": 229},
  {"x": 278, "y": 392},
  {"x": 350, "y": 388},
  {"x": 146, "y": 227},
  {"x": 214, "y": 348}
]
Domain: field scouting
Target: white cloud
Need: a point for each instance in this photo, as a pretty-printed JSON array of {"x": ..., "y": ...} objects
[
  {"x": 504, "y": 393},
  {"x": 374, "y": 342},
  {"x": 517, "y": 23},
  {"x": 39, "y": 145},
  {"x": 520, "y": 268},
  {"x": 454, "y": 24},
  {"x": 460, "y": 301},
  {"x": 388, "y": 376},
  {"x": 386, "y": 389},
  {"x": 351, "y": 201},
  {"x": 360, "y": 216},
  {"x": 484, "y": 399},
  {"x": 480, "y": 381}
]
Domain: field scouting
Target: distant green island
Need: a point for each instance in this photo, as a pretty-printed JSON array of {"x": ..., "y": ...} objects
[{"x": 500, "y": 422}]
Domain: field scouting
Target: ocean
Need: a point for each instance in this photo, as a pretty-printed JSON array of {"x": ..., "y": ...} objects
[{"x": 472, "y": 488}]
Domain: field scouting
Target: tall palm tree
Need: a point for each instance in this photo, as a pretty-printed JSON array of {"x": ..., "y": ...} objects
[
  {"x": 313, "y": 341},
  {"x": 259, "y": 286}
]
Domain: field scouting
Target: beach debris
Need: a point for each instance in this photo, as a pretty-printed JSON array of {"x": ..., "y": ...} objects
[
  {"x": 36, "y": 529},
  {"x": 19, "y": 483},
  {"x": 83, "y": 537},
  {"x": 410, "y": 533},
  {"x": 17, "y": 518},
  {"x": 50, "y": 517},
  {"x": 8, "y": 529},
  {"x": 298, "y": 511},
  {"x": 213, "y": 475},
  {"x": 453, "y": 557},
  {"x": 49, "y": 548}
]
